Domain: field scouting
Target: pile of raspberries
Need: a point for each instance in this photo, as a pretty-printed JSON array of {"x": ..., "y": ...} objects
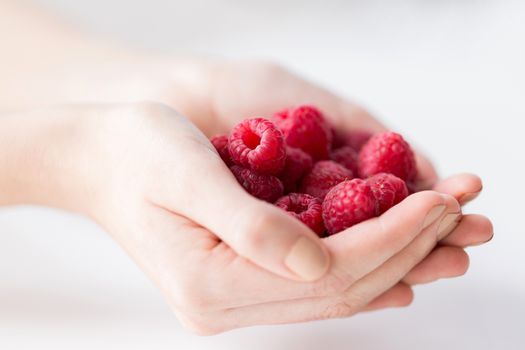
[{"x": 326, "y": 178}]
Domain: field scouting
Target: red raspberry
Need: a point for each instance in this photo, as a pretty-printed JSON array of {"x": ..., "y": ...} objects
[
  {"x": 304, "y": 207},
  {"x": 306, "y": 128},
  {"x": 347, "y": 157},
  {"x": 413, "y": 187},
  {"x": 324, "y": 175},
  {"x": 387, "y": 152},
  {"x": 265, "y": 187},
  {"x": 297, "y": 165},
  {"x": 357, "y": 139},
  {"x": 388, "y": 190},
  {"x": 257, "y": 144},
  {"x": 353, "y": 138},
  {"x": 347, "y": 204},
  {"x": 220, "y": 142}
]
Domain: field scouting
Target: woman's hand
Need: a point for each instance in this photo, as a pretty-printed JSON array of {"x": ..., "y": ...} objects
[
  {"x": 213, "y": 94},
  {"x": 229, "y": 91},
  {"x": 216, "y": 95},
  {"x": 222, "y": 258}
]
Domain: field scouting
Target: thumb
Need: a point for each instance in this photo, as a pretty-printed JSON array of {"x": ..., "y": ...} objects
[{"x": 254, "y": 229}]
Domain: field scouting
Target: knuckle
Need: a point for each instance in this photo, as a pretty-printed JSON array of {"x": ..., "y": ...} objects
[
  {"x": 146, "y": 113},
  {"x": 252, "y": 230},
  {"x": 429, "y": 196},
  {"x": 413, "y": 256},
  {"x": 149, "y": 108},
  {"x": 339, "y": 309},
  {"x": 331, "y": 285},
  {"x": 358, "y": 297}
]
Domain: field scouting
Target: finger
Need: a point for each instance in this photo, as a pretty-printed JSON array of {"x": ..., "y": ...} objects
[
  {"x": 464, "y": 187},
  {"x": 393, "y": 270},
  {"x": 473, "y": 230},
  {"x": 205, "y": 191},
  {"x": 310, "y": 309},
  {"x": 426, "y": 173},
  {"x": 364, "y": 247},
  {"x": 195, "y": 270},
  {"x": 347, "y": 116},
  {"x": 443, "y": 262},
  {"x": 355, "y": 252},
  {"x": 399, "y": 295},
  {"x": 344, "y": 304}
]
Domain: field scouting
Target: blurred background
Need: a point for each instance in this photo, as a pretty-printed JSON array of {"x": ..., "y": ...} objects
[{"x": 449, "y": 74}]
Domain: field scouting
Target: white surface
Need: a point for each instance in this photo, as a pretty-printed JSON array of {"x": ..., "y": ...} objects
[{"x": 448, "y": 73}]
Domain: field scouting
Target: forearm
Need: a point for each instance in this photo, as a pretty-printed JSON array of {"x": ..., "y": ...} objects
[
  {"x": 44, "y": 61},
  {"x": 47, "y": 62},
  {"x": 34, "y": 43},
  {"x": 26, "y": 154}
]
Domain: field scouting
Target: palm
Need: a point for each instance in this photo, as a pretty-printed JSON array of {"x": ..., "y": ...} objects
[
  {"x": 253, "y": 90},
  {"x": 184, "y": 243},
  {"x": 244, "y": 90}
]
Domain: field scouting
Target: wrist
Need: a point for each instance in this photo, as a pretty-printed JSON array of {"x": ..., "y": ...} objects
[
  {"x": 39, "y": 163},
  {"x": 106, "y": 74}
]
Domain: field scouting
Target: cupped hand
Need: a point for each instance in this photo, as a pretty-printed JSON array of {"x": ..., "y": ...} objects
[
  {"x": 217, "y": 95},
  {"x": 235, "y": 90},
  {"x": 224, "y": 259}
]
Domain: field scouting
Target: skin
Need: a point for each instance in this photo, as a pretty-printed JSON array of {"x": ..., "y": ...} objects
[{"x": 146, "y": 172}]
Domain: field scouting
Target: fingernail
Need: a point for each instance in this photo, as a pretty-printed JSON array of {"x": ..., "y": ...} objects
[
  {"x": 467, "y": 197},
  {"x": 481, "y": 243},
  {"x": 447, "y": 224},
  {"x": 433, "y": 214},
  {"x": 307, "y": 260}
]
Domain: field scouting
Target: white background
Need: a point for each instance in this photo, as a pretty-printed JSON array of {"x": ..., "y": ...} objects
[{"x": 450, "y": 74}]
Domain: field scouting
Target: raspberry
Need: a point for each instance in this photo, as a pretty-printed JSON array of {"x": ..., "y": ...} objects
[
  {"x": 388, "y": 190},
  {"x": 347, "y": 204},
  {"x": 347, "y": 157},
  {"x": 220, "y": 142},
  {"x": 297, "y": 165},
  {"x": 387, "y": 152},
  {"x": 265, "y": 187},
  {"x": 357, "y": 139},
  {"x": 257, "y": 144},
  {"x": 324, "y": 175},
  {"x": 412, "y": 187},
  {"x": 353, "y": 138},
  {"x": 304, "y": 207},
  {"x": 306, "y": 128}
]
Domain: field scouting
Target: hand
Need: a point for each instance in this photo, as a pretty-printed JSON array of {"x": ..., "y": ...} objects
[
  {"x": 222, "y": 258},
  {"x": 219, "y": 94},
  {"x": 240, "y": 89},
  {"x": 214, "y": 95},
  {"x": 81, "y": 158},
  {"x": 209, "y": 93}
]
